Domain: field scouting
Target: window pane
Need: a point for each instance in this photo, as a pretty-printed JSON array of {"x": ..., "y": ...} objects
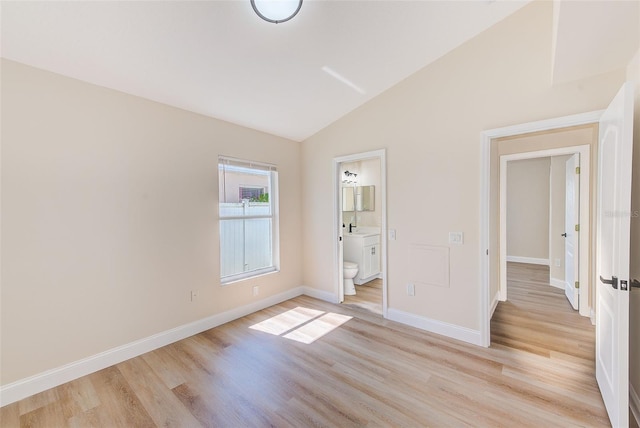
[
  {"x": 245, "y": 245},
  {"x": 239, "y": 184}
]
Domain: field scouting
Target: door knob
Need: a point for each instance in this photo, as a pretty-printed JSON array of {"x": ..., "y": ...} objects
[
  {"x": 612, "y": 282},
  {"x": 564, "y": 234}
]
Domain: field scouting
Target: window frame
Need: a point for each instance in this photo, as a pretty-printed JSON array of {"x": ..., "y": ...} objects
[{"x": 236, "y": 163}]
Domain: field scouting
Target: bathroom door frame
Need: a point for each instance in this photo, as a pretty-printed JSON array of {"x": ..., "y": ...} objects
[{"x": 337, "y": 221}]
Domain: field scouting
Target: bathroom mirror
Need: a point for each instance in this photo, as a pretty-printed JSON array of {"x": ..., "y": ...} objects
[
  {"x": 347, "y": 199},
  {"x": 364, "y": 198}
]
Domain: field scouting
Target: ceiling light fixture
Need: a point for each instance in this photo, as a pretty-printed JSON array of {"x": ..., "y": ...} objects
[{"x": 276, "y": 11}]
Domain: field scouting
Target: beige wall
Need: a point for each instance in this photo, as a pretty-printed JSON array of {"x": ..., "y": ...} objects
[
  {"x": 557, "y": 222},
  {"x": 109, "y": 218},
  {"x": 430, "y": 125},
  {"x": 633, "y": 74},
  {"x": 528, "y": 208}
]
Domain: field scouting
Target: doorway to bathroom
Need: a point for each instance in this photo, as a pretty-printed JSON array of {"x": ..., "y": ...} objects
[{"x": 360, "y": 216}]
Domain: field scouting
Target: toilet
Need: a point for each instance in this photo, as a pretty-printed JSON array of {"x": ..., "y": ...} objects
[{"x": 350, "y": 271}]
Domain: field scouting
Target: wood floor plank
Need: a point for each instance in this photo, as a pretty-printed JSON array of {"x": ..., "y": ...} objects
[
  {"x": 368, "y": 297},
  {"x": 367, "y": 371},
  {"x": 161, "y": 405},
  {"x": 119, "y": 404},
  {"x": 10, "y": 416}
]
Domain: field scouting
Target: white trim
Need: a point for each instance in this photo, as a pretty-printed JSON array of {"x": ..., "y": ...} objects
[
  {"x": 485, "y": 217},
  {"x": 338, "y": 249},
  {"x": 557, "y": 283},
  {"x": 434, "y": 326},
  {"x": 247, "y": 163},
  {"x": 494, "y": 304},
  {"x": 337, "y": 221},
  {"x": 529, "y": 260},
  {"x": 634, "y": 403},
  {"x": 327, "y": 296},
  {"x": 26, "y": 387},
  {"x": 592, "y": 316}
]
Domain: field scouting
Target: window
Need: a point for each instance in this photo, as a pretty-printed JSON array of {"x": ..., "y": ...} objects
[{"x": 248, "y": 219}]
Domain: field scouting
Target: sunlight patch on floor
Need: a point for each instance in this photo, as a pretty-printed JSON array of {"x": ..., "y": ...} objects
[
  {"x": 302, "y": 324},
  {"x": 286, "y": 321}
]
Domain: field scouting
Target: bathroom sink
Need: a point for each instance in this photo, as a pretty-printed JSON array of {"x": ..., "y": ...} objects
[{"x": 363, "y": 234}]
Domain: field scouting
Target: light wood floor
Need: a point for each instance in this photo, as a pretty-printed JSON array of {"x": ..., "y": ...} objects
[
  {"x": 368, "y": 297},
  {"x": 366, "y": 372}
]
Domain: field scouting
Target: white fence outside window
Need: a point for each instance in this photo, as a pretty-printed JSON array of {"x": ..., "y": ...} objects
[{"x": 247, "y": 243}]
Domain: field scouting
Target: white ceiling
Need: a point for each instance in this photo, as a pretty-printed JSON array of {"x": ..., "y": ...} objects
[{"x": 219, "y": 59}]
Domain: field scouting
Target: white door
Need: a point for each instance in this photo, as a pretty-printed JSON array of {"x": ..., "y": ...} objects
[
  {"x": 612, "y": 256},
  {"x": 571, "y": 236},
  {"x": 340, "y": 255}
]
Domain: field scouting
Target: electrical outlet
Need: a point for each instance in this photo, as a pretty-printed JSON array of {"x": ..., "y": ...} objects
[
  {"x": 557, "y": 262},
  {"x": 256, "y": 290},
  {"x": 411, "y": 289},
  {"x": 392, "y": 234},
  {"x": 456, "y": 238},
  {"x": 194, "y": 295}
]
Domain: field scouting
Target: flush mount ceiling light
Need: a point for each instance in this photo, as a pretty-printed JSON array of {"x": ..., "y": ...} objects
[{"x": 276, "y": 11}]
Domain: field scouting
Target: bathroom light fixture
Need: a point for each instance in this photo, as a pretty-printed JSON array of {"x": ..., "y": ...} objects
[
  {"x": 350, "y": 177},
  {"x": 276, "y": 11}
]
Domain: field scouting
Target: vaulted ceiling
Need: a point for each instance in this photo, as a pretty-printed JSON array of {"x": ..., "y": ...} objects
[{"x": 292, "y": 79}]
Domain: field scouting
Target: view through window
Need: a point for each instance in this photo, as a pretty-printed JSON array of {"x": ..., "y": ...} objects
[{"x": 247, "y": 202}]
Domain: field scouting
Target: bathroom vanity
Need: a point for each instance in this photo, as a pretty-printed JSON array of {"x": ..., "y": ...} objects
[{"x": 363, "y": 248}]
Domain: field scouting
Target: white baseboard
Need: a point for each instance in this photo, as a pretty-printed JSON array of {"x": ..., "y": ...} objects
[
  {"x": 434, "y": 326},
  {"x": 592, "y": 316},
  {"x": 557, "y": 283},
  {"x": 320, "y": 294},
  {"x": 494, "y": 304},
  {"x": 634, "y": 403},
  {"x": 530, "y": 260},
  {"x": 26, "y": 387}
]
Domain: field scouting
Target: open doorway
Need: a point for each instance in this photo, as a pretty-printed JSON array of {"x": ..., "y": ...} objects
[
  {"x": 519, "y": 140},
  {"x": 543, "y": 203},
  {"x": 360, "y": 225},
  {"x": 545, "y": 216},
  {"x": 609, "y": 260}
]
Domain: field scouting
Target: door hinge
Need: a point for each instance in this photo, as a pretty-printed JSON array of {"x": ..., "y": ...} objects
[
  {"x": 577, "y": 170},
  {"x": 577, "y": 284},
  {"x": 577, "y": 228}
]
